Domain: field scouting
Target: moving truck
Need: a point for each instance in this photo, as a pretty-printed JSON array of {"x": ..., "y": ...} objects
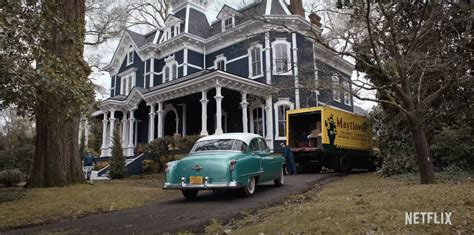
[{"x": 323, "y": 136}]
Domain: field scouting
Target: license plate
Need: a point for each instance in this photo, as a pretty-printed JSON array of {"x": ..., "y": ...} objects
[{"x": 195, "y": 180}]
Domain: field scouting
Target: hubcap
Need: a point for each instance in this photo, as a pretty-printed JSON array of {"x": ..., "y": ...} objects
[{"x": 251, "y": 185}]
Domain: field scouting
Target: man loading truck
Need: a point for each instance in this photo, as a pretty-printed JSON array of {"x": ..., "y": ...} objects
[{"x": 324, "y": 136}]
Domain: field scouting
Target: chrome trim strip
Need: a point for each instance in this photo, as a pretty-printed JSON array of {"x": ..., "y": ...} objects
[
  {"x": 254, "y": 173},
  {"x": 206, "y": 185}
]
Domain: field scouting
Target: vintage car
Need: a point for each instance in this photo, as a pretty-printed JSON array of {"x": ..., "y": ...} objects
[{"x": 225, "y": 161}]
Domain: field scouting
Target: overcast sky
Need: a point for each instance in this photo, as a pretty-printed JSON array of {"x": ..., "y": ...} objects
[{"x": 106, "y": 50}]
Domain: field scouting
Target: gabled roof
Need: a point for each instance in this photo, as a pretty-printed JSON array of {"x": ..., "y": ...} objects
[{"x": 226, "y": 11}]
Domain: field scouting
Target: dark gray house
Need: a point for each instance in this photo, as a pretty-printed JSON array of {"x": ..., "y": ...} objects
[{"x": 239, "y": 73}]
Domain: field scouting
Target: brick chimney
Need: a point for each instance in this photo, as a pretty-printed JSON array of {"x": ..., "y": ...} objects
[
  {"x": 296, "y": 7},
  {"x": 315, "y": 19}
]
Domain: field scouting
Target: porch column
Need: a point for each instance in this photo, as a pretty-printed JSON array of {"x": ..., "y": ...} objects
[
  {"x": 131, "y": 121},
  {"x": 104, "y": 147},
  {"x": 124, "y": 133},
  {"x": 244, "y": 104},
  {"x": 151, "y": 123},
  {"x": 218, "y": 99},
  {"x": 160, "y": 119},
  {"x": 204, "y": 101},
  {"x": 269, "y": 122},
  {"x": 112, "y": 125}
]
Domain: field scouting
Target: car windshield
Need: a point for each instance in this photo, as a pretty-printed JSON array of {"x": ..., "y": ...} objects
[{"x": 222, "y": 144}]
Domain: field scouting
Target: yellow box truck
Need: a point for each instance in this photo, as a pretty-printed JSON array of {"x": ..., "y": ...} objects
[{"x": 324, "y": 136}]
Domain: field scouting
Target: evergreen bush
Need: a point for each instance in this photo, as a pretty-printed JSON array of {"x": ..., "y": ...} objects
[
  {"x": 11, "y": 177},
  {"x": 117, "y": 162}
]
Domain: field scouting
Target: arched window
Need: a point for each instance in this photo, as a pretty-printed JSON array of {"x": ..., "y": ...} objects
[
  {"x": 281, "y": 107},
  {"x": 170, "y": 71},
  {"x": 281, "y": 56},
  {"x": 255, "y": 61}
]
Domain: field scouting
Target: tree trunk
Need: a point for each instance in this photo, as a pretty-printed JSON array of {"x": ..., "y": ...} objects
[
  {"x": 425, "y": 162},
  {"x": 57, "y": 161}
]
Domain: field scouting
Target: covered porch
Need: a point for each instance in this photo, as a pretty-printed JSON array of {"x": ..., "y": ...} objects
[{"x": 205, "y": 103}]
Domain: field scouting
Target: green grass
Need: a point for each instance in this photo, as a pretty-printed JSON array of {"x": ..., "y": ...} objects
[
  {"x": 364, "y": 203},
  {"x": 37, "y": 206}
]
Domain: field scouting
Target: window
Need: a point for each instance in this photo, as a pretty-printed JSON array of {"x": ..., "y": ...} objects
[
  {"x": 228, "y": 24},
  {"x": 170, "y": 71},
  {"x": 254, "y": 147},
  {"x": 347, "y": 95},
  {"x": 220, "y": 63},
  {"x": 127, "y": 83},
  {"x": 255, "y": 61},
  {"x": 171, "y": 31},
  {"x": 281, "y": 56},
  {"x": 257, "y": 121},
  {"x": 262, "y": 145},
  {"x": 336, "y": 92},
  {"x": 281, "y": 107},
  {"x": 219, "y": 144},
  {"x": 130, "y": 57}
]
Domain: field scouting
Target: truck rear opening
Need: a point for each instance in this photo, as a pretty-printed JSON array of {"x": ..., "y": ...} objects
[{"x": 324, "y": 136}]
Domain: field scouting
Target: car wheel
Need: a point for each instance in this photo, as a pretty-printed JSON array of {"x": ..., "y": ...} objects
[
  {"x": 190, "y": 194},
  {"x": 249, "y": 189},
  {"x": 279, "y": 180}
]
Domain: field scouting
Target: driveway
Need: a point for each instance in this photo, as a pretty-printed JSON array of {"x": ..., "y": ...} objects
[{"x": 179, "y": 214}]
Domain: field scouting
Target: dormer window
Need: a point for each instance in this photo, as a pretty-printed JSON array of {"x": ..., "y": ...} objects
[
  {"x": 172, "y": 29},
  {"x": 130, "y": 56},
  {"x": 228, "y": 24}
]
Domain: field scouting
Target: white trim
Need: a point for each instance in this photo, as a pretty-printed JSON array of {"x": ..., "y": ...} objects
[
  {"x": 152, "y": 72},
  {"x": 132, "y": 51},
  {"x": 157, "y": 36},
  {"x": 194, "y": 66},
  {"x": 336, "y": 88},
  {"x": 288, "y": 56},
  {"x": 295, "y": 70},
  {"x": 268, "y": 7},
  {"x": 285, "y": 8},
  {"x": 185, "y": 61},
  {"x": 237, "y": 58},
  {"x": 267, "y": 58},
  {"x": 346, "y": 93},
  {"x": 250, "y": 61},
  {"x": 186, "y": 23},
  {"x": 128, "y": 71},
  {"x": 281, "y": 102}
]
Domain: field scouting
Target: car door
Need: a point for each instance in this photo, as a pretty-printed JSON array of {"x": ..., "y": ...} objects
[
  {"x": 257, "y": 153},
  {"x": 268, "y": 164}
]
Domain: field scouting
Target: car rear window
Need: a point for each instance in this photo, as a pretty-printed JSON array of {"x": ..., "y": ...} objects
[{"x": 216, "y": 145}]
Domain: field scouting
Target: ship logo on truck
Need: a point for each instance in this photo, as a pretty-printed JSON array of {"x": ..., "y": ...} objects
[{"x": 331, "y": 128}]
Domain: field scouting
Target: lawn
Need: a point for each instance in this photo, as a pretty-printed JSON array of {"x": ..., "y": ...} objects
[
  {"x": 363, "y": 203},
  {"x": 20, "y": 207}
]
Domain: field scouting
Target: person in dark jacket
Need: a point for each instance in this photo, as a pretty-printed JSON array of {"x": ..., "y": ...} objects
[
  {"x": 89, "y": 162},
  {"x": 290, "y": 159}
]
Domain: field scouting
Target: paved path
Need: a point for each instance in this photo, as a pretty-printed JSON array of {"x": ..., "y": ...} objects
[{"x": 179, "y": 214}]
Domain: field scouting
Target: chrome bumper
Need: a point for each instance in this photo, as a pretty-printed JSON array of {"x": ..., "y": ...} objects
[{"x": 230, "y": 185}]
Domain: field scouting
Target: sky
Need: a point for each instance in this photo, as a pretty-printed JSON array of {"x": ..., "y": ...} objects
[{"x": 104, "y": 52}]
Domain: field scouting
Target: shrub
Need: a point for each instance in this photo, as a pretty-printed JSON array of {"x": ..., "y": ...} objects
[
  {"x": 161, "y": 151},
  {"x": 149, "y": 166},
  {"x": 11, "y": 177},
  {"x": 186, "y": 143},
  {"x": 117, "y": 162}
]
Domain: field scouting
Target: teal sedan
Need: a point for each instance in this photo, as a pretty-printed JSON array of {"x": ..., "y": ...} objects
[{"x": 227, "y": 161}]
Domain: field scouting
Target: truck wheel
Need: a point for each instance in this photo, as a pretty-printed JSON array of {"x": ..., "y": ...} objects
[
  {"x": 345, "y": 164},
  {"x": 190, "y": 193},
  {"x": 317, "y": 168}
]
